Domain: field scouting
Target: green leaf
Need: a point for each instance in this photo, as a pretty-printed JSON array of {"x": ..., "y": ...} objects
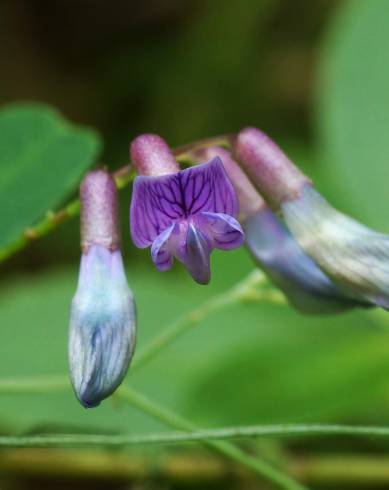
[
  {"x": 353, "y": 115},
  {"x": 42, "y": 160}
]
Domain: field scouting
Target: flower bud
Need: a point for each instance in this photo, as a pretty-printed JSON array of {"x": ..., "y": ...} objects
[
  {"x": 183, "y": 214},
  {"x": 353, "y": 256},
  {"x": 103, "y": 317},
  {"x": 274, "y": 249}
]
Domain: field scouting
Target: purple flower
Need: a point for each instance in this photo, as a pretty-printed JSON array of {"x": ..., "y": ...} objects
[{"x": 183, "y": 214}]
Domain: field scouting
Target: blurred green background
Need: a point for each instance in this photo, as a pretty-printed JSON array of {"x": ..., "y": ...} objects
[{"x": 315, "y": 76}]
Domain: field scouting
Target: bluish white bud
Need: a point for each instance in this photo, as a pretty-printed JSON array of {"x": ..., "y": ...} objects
[
  {"x": 103, "y": 316},
  {"x": 353, "y": 255}
]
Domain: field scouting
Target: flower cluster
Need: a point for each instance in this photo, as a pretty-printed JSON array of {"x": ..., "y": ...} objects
[{"x": 250, "y": 193}]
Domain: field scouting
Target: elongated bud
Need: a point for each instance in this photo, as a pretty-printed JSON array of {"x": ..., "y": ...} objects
[
  {"x": 183, "y": 214},
  {"x": 270, "y": 170},
  {"x": 103, "y": 318}
]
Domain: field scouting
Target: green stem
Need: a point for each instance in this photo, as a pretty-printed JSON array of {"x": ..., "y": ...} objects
[
  {"x": 54, "y": 384},
  {"x": 243, "y": 291},
  {"x": 42, "y": 228},
  {"x": 264, "y": 469},
  {"x": 280, "y": 431}
]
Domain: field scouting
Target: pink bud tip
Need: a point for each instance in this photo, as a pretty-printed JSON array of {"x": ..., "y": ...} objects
[
  {"x": 151, "y": 156},
  {"x": 99, "y": 211},
  {"x": 271, "y": 171}
]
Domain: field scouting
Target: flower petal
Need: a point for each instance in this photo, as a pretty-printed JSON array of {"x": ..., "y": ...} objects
[
  {"x": 160, "y": 253},
  {"x": 158, "y": 201},
  {"x": 353, "y": 256},
  {"x": 197, "y": 258},
  {"x": 206, "y": 187},
  {"x": 223, "y": 231}
]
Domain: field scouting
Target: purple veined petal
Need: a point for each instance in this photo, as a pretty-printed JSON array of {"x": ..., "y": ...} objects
[
  {"x": 207, "y": 187},
  {"x": 155, "y": 205},
  {"x": 223, "y": 231},
  {"x": 158, "y": 201},
  {"x": 160, "y": 253},
  {"x": 197, "y": 255}
]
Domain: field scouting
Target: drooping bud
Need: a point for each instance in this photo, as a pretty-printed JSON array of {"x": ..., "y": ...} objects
[
  {"x": 275, "y": 250},
  {"x": 103, "y": 318},
  {"x": 183, "y": 214},
  {"x": 355, "y": 257}
]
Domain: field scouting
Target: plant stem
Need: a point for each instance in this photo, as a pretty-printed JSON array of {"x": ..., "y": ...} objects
[
  {"x": 246, "y": 290},
  {"x": 315, "y": 469},
  {"x": 42, "y": 228},
  {"x": 54, "y": 384},
  {"x": 187, "y": 435},
  {"x": 264, "y": 469}
]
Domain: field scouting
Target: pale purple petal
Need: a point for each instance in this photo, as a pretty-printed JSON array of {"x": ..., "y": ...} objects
[
  {"x": 223, "y": 231},
  {"x": 158, "y": 201},
  {"x": 160, "y": 250},
  {"x": 197, "y": 259}
]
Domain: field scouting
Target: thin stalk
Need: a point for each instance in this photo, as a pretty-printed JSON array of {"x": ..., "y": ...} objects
[
  {"x": 262, "y": 468},
  {"x": 246, "y": 290},
  {"x": 279, "y": 431}
]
